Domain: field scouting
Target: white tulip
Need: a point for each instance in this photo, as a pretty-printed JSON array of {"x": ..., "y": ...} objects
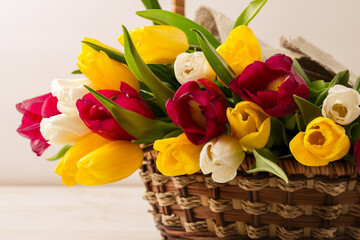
[
  {"x": 191, "y": 67},
  {"x": 221, "y": 156},
  {"x": 68, "y": 91},
  {"x": 342, "y": 104},
  {"x": 63, "y": 129}
]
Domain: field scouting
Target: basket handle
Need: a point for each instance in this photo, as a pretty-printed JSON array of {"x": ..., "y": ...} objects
[{"x": 178, "y": 6}]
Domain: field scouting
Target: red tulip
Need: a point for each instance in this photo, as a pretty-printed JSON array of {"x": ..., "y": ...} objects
[
  {"x": 200, "y": 113},
  {"x": 99, "y": 119},
  {"x": 356, "y": 155},
  {"x": 34, "y": 110},
  {"x": 271, "y": 85}
]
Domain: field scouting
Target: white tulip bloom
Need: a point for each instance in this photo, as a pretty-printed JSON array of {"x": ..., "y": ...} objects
[
  {"x": 342, "y": 104},
  {"x": 68, "y": 91},
  {"x": 63, "y": 129},
  {"x": 191, "y": 67},
  {"x": 221, "y": 156}
]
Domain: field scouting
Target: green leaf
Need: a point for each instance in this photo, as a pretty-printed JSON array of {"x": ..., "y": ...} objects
[
  {"x": 151, "y": 4},
  {"x": 218, "y": 64},
  {"x": 278, "y": 136},
  {"x": 60, "y": 153},
  {"x": 299, "y": 122},
  {"x": 168, "y": 18},
  {"x": 115, "y": 55},
  {"x": 341, "y": 78},
  {"x": 264, "y": 162},
  {"x": 249, "y": 12},
  {"x": 357, "y": 84},
  {"x": 142, "y": 72},
  {"x": 308, "y": 110},
  {"x": 76, "y": 72},
  {"x": 318, "y": 86},
  {"x": 300, "y": 71},
  {"x": 135, "y": 124},
  {"x": 164, "y": 76}
]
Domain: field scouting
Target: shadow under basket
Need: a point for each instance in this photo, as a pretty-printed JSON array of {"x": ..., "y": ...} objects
[{"x": 317, "y": 203}]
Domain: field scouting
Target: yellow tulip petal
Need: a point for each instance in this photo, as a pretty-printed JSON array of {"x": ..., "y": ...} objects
[
  {"x": 297, "y": 148},
  {"x": 249, "y": 124},
  {"x": 102, "y": 71},
  {"x": 110, "y": 163},
  {"x": 177, "y": 156},
  {"x": 322, "y": 142},
  {"x": 158, "y": 44},
  {"x": 257, "y": 139},
  {"x": 240, "y": 49}
]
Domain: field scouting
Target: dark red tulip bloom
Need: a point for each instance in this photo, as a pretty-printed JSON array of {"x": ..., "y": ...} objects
[
  {"x": 34, "y": 110},
  {"x": 99, "y": 119},
  {"x": 200, "y": 113},
  {"x": 271, "y": 85},
  {"x": 356, "y": 155}
]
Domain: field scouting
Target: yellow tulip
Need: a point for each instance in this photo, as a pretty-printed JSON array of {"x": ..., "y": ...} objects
[
  {"x": 110, "y": 163},
  {"x": 322, "y": 142},
  {"x": 240, "y": 49},
  {"x": 158, "y": 44},
  {"x": 177, "y": 156},
  {"x": 94, "y": 160},
  {"x": 67, "y": 168},
  {"x": 249, "y": 124},
  {"x": 104, "y": 72}
]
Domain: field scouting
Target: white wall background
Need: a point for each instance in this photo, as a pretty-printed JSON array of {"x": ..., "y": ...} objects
[{"x": 40, "y": 40}]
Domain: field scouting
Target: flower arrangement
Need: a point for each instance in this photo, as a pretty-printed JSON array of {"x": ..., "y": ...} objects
[{"x": 203, "y": 104}]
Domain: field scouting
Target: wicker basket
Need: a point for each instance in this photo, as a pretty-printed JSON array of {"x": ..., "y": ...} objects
[{"x": 318, "y": 203}]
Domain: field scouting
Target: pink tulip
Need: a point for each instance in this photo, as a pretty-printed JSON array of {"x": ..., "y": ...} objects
[
  {"x": 200, "y": 113},
  {"x": 34, "y": 110},
  {"x": 99, "y": 119},
  {"x": 271, "y": 85}
]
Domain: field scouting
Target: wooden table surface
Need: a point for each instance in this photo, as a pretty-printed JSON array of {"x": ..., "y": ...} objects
[{"x": 75, "y": 213}]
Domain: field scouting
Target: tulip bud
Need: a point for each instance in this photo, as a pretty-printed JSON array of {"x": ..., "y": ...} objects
[
  {"x": 342, "y": 105},
  {"x": 94, "y": 160},
  {"x": 68, "y": 91},
  {"x": 63, "y": 129},
  {"x": 221, "y": 156},
  {"x": 177, "y": 156},
  {"x": 102, "y": 71},
  {"x": 100, "y": 120},
  {"x": 276, "y": 83},
  {"x": 240, "y": 49},
  {"x": 191, "y": 67},
  {"x": 322, "y": 142},
  {"x": 201, "y": 113},
  {"x": 109, "y": 163},
  {"x": 159, "y": 44},
  {"x": 249, "y": 124}
]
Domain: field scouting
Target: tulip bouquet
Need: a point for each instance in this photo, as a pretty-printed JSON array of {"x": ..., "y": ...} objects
[{"x": 203, "y": 105}]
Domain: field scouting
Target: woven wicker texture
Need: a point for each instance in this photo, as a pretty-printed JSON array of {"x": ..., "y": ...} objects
[{"x": 317, "y": 203}]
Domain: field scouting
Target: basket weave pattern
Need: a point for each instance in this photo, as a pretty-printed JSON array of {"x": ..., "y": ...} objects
[{"x": 318, "y": 202}]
